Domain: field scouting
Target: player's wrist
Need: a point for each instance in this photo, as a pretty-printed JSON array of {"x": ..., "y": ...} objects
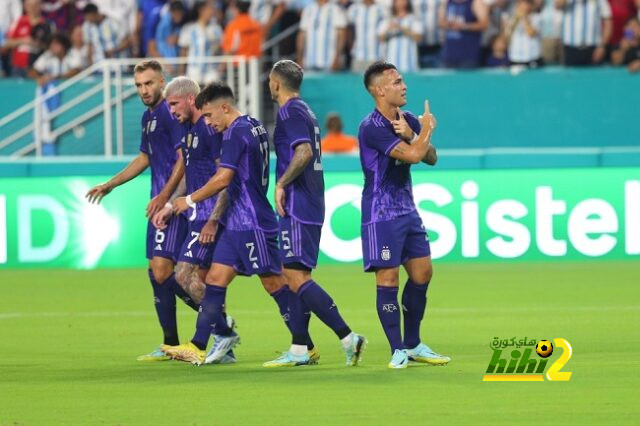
[
  {"x": 168, "y": 205},
  {"x": 190, "y": 201}
]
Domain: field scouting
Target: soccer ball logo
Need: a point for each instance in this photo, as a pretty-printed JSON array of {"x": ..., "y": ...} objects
[{"x": 544, "y": 348}]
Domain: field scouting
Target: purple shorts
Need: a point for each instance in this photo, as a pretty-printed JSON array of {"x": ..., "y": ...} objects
[
  {"x": 166, "y": 243},
  {"x": 248, "y": 252},
  {"x": 299, "y": 242},
  {"x": 389, "y": 244},
  {"x": 192, "y": 251}
]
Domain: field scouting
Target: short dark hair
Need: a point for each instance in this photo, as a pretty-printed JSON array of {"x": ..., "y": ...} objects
[
  {"x": 90, "y": 8},
  {"x": 150, "y": 64},
  {"x": 213, "y": 92},
  {"x": 334, "y": 122},
  {"x": 374, "y": 70},
  {"x": 176, "y": 5},
  {"x": 243, "y": 6},
  {"x": 62, "y": 39},
  {"x": 290, "y": 72}
]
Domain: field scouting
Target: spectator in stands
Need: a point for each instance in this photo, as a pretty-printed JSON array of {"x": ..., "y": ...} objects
[
  {"x": 243, "y": 34},
  {"x": 621, "y": 12},
  {"x": 79, "y": 50},
  {"x": 499, "y": 12},
  {"x": 551, "y": 33},
  {"x": 102, "y": 34},
  {"x": 165, "y": 42},
  {"x": 401, "y": 33},
  {"x": 429, "y": 46},
  {"x": 365, "y": 17},
  {"x": 628, "y": 50},
  {"x": 200, "y": 39},
  {"x": 148, "y": 17},
  {"x": 322, "y": 36},
  {"x": 268, "y": 13},
  {"x": 586, "y": 31},
  {"x": 335, "y": 141},
  {"x": 62, "y": 14},
  {"x": 463, "y": 22},
  {"x": 55, "y": 63},
  {"x": 523, "y": 32},
  {"x": 20, "y": 40},
  {"x": 498, "y": 56},
  {"x": 124, "y": 13},
  {"x": 11, "y": 12}
]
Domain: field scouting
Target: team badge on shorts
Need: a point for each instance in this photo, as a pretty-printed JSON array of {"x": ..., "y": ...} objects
[{"x": 385, "y": 254}]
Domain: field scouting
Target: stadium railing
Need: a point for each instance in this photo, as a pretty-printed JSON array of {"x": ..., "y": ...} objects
[{"x": 100, "y": 91}]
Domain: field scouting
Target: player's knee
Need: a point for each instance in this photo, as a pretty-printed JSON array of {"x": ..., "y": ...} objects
[
  {"x": 423, "y": 276},
  {"x": 272, "y": 283},
  {"x": 161, "y": 272}
]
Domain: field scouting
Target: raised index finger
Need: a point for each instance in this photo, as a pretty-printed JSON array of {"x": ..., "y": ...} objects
[{"x": 427, "y": 110}]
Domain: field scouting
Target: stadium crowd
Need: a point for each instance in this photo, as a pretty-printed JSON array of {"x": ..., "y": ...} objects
[{"x": 49, "y": 39}]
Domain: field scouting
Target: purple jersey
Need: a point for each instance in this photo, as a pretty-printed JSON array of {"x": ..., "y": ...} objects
[
  {"x": 297, "y": 124},
  {"x": 200, "y": 150},
  {"x": 245, "y": 149},
  {"x": 161, "y": 135},
  {"x": 387, "y": 192}
]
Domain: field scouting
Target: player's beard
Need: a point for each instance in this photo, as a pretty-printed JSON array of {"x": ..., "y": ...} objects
[{"x": 154, "y": 101}]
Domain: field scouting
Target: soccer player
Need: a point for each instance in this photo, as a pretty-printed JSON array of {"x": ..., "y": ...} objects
[
  {"x": 247, "y": 242},
  {"x": 392, "y": 232},
  {"x": 299, "y": 198},
  {"x": 159, "y": 149},
  {"x": 201, "y": 152}
]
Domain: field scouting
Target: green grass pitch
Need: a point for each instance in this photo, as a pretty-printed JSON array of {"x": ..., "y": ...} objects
[{"x": 68, "y": 343}]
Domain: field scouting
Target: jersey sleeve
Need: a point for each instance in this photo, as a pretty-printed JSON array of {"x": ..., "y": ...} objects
[
  {"x": 176, "y": 131},
  {"x": 215, "y": 141},
  {"x": 413, "y": 122},
  {"x": 605, "y": 9},
  {"x": 416, "y": 25},
  {"x": 339, "y": 17},
  {"x": 379, "y": 138},
  {"x": 143, "y": 146},
  {"x": 40, "y": 64},
  {"x": 296, "y": 129},
  {"x": 305, "y": 19},
  {"x": 351, "y": 14},
  {"x": 232, "y": 149},
  {"x": 183, "y": 38}
]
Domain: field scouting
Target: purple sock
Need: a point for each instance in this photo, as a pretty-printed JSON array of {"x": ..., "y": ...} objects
[
  {"x": 281, "y": 297},
  {"x": 180, "y": 292},
  {"x": 414, "y": 303},
  {"x": 165, "y": 303},
  {"x": 323, "y": 306},
  {"x": 299, "y": 321},
  {"x": 389, "y": 314},
  {"x": 211, "y": 316}
]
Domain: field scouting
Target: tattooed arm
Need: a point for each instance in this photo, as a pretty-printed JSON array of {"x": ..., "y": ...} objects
[
  {"x": 416, "y": 151},
  {"x": 209, "y": 230},
  {"x": 431, "y": 158},
  {"x": 221, "y": 206},
  {"x": 301, "y": 157},
  {"x": 181, "y": 189}
]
